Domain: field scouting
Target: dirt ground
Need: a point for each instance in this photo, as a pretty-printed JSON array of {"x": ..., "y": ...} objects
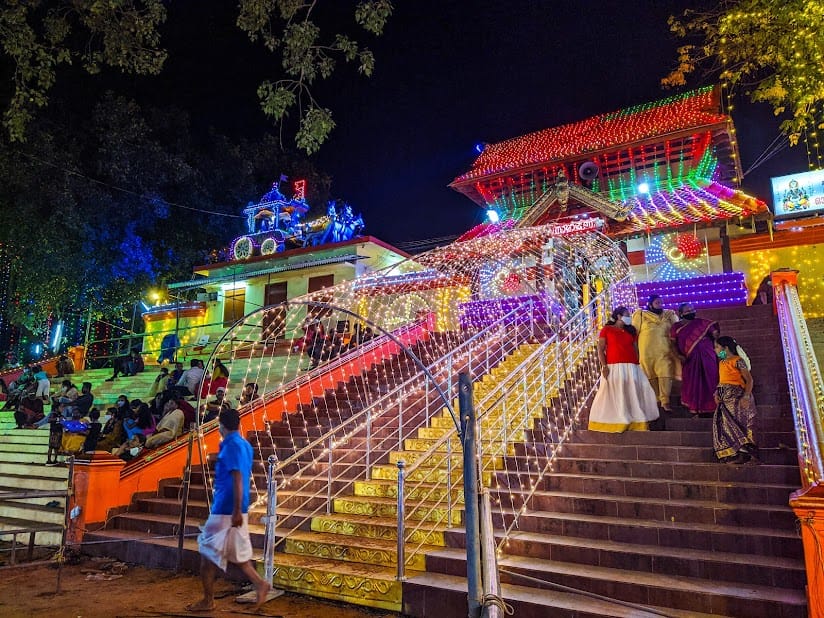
[{"x": 96, "y": 588}]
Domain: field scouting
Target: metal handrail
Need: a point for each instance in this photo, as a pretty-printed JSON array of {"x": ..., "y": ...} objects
[
  {"x": 360, "y": 416},
  {"x": 805, "y": 384},
  {"x": 441, "y": 368},
  {"x": 488, "y": 404}
]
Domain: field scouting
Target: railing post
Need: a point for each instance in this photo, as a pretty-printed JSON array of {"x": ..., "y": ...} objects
[
  {"x": 401, "y": 400},
  {"x": 271, "y": 521},
  {"x": 329, "y": 477},
  {"x": 401, "y": 521},
  {"x": 67, "y": 517},
  {"x": 449, "y": 378},
  {"x": 181, "y": 525},
  {"x": 368, "y": 442},
  {"x": 492, "y": 582},
  {"x": 426, "y": 399},
  {"x": 449, "y": 483},
  {"x": 470, "y": 462}
]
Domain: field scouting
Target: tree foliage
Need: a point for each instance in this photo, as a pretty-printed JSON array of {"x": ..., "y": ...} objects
[
  {"x": 135, "y": 200},
  {"x": 39, "y": 36},
  {"x": 307, "y": 55},
  {"x": 773, "y": 50}
]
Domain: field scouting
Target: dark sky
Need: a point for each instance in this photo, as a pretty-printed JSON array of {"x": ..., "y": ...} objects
[{"x": 449, "y": 74}]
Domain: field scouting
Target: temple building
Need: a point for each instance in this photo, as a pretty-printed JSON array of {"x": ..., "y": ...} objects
[
  {"x": 662, "y": 177},
  {"x": 278, "y": 258}
]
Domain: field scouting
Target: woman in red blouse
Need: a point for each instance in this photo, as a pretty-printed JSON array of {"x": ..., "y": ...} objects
[{"x": 625, "y": 400}]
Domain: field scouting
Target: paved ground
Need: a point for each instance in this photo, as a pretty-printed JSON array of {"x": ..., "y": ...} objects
[{"x": 100, "y": 589}]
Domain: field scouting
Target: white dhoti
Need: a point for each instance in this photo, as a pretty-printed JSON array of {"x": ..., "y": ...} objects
[{"x": 221, "y": 543}]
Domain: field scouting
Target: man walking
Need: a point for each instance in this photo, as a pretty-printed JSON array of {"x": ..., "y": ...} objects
[{"x": 225, "y": 536}]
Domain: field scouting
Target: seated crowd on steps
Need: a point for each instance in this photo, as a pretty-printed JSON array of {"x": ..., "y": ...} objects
[
  {"x": 643, "y": 352},
  {"x": 129, "y": 428}
]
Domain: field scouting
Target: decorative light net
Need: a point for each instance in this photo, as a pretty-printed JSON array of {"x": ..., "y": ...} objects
[{"x": 347, "y": 377}]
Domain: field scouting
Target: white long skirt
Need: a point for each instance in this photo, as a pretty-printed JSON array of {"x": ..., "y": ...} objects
[{"x": 625, "y": 401}]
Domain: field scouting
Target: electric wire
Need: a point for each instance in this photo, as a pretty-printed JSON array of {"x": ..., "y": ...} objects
[{"x": 122, "y": 189}]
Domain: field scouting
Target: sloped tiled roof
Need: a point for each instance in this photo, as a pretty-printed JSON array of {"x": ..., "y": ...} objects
[
  {"x": 694, "y": 109},
  {"x": 695, "y": 201}
]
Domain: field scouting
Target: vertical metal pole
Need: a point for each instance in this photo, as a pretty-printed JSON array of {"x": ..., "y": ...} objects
[
  {"x": 329, "y": 479},
  {"x": 426, "y": 399},
  {"x": 86, "y": 341},
  {"x": 469, "y": 363},
  {"x": 492, "y": 583},
  {"x": 66, "y": 521},
  {"x": 401, "y": 517},
  {"x": 449, "y": 483},
  {"x": 271, "y": 521},
  {"x": 181, "y": 524},
  {"x": 368, "y": 442},
  {"x": 473, "y": 541},
  {"x": 401, "y": 401},
  {"x": 449, "y": 378}
]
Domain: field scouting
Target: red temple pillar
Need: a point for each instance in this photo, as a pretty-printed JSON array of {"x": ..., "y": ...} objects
[{"x": 95, "y": 482}]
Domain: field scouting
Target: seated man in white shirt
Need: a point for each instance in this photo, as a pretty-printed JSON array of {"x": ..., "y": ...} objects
[{"x": 189, "y": 382}]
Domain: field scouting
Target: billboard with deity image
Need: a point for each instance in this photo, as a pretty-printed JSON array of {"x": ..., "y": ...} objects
[{"x": 798, "y": 195}]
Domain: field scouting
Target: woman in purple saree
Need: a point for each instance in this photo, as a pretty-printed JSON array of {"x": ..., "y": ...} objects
[{"x": 695, "y": 340}]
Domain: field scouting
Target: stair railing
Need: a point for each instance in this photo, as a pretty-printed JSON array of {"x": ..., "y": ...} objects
[
  {"x": 563, "y": 368},
  {"x": 481, "y": 352},
  {"x": 807, "y": 398},
  {"x": 804, "y": 378}
]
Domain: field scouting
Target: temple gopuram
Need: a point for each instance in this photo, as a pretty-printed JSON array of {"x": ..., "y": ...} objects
[{"x": 661, "y": 177}]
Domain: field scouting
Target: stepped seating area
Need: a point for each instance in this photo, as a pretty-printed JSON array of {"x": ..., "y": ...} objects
[
  {"x": 651, "y": 517},
  {"x": 22, "y": 454}
]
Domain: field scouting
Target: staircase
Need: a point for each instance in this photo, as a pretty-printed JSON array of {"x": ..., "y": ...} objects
[
  {"x": 650, "y": 517},
  {"x": 22, "y": 455},
  {"x": 349, "y": 553}
]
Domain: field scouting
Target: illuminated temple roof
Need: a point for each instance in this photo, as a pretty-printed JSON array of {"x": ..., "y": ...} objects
[{"x": 682, "y": 150}]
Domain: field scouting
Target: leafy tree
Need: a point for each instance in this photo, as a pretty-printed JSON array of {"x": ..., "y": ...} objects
[
  {"x": 771, "y": 49},
  {"x": 38, "y": 36},
  {"x": 94, "y": 218}
]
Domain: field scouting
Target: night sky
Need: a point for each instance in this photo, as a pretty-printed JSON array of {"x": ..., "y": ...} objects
[{"x": 448, "y": 75}]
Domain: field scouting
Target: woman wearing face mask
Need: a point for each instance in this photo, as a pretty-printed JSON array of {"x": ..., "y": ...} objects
[
  {"x": 694, "y": 340},
  {"x": 733, "y": 425},
  {"x": 653, "y": 324},
  {"x": 625, "y": 400}
]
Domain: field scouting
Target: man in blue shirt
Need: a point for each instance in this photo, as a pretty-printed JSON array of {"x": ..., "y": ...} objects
[{"x": 225, "y": 536}]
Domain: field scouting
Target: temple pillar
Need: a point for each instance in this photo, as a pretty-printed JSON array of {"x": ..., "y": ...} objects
[{"x": 726, "y": 253}]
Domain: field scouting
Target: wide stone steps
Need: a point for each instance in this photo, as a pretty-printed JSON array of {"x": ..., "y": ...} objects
[
  {"x": 351, "y": 582},
  {"x": 439, "y": 459},
  {"x": 678, "y": 533},
  {"x": 691, "y": 510},
  {"x": 348, "y": 548},
  {"x": 661, "y": 489},
  {"x": 378, "y": 528},
  {"x": 762, "y": 570},
  {"x": 384, "y": 507},
  {"x": 426, "y": 475},
  {"x": 681, "y": 591},
  {"x": 434, "y": 492},
  {"x": 438, "y": 594}
]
